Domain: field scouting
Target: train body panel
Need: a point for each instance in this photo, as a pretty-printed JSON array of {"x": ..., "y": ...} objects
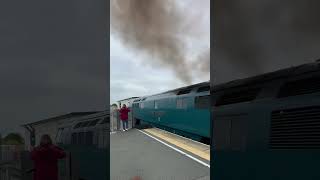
[
  {"x": 267, "y": 127},
  {"x": 186, "y": 114}
]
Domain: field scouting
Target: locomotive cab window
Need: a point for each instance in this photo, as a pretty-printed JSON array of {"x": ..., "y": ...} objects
[{"x": 202, "y": 102}]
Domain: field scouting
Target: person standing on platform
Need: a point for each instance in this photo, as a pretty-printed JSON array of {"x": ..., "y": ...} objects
[
  {"x": 124, "y": 111},
  {"x": 45, "y": 158}
]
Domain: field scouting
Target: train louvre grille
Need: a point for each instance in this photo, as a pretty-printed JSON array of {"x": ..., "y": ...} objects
[
  {"x": 300, "y": 87},
  {"x": 297, "y": 128},
  {"x": 238, "y": 97}
]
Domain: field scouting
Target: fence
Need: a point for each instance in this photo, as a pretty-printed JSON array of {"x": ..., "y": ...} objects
[
  {"x": 10, "y": 162},
  {"x": 10, "y": 152},
  {"x": 115, "y": 122}
]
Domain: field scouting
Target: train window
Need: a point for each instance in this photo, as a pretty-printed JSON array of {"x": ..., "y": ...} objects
[
  {"x": 141, "y": 105},
  {"x": 77, "y": 125},
  {"x": 155, "y": 105},
  {"x": 238, "y": 96},
  {"x": 202, "y": 102},
  {"x": 299, "y": 87},
  {"x": 203, "y": 89},
  {"x": 185, "y": 91},
  {"x": 182, "y": 103},
  {"x": 89, "y": 138},
  {"x": 93, "y": 123},
  {"x": 105, "y": 120}
]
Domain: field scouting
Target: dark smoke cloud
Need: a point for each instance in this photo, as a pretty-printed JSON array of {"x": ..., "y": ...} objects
[
  {"x": 254, "y": 37},
  {"x": 202, "y": 63},
  {"x": 153, "y": 26}
]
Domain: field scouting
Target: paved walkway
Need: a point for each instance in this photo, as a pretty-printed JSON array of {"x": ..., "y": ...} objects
[{"x": 153, "y": 155}]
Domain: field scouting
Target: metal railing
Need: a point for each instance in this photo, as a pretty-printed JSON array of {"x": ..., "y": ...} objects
[
  {"x": 10, "y": 171},
  {"x": 116, "y": 123},
  {"x": 11, "y": 157}
]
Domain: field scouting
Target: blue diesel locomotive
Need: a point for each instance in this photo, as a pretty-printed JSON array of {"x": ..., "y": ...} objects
[
  {"x": 184, "y": 111},
  {"x": 268, "y": 126}
]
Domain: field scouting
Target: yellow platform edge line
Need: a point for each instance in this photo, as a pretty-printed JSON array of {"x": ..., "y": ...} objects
[{"x": 203, "y": 154}]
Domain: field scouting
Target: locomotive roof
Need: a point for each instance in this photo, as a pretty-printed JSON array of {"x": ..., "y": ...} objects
[{"x": 283, "y": 73}]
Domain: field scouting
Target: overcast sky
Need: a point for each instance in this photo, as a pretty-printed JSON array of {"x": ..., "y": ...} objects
[
  {"x": 53, "y": 59},
  {"x": 131, "y": 76}
]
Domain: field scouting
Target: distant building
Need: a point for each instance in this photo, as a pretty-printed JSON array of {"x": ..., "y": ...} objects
[{"x": 48, "y": 126}]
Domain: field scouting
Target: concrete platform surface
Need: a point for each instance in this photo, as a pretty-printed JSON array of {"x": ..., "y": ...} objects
[{"x": 135, "y": 154}]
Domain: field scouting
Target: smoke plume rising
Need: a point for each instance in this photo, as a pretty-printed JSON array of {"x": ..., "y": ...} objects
[
  {"x": 154, "y": 26},
  {"x": 254, "y": 37}
]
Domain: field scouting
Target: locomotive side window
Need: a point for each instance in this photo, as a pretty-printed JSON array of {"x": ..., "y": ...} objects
[
  {"x": 155, "y": 105},
  {"x": 185, "y": 91},
  {"x": 141, "y": 105},
  {"x": 244, "y": 95},
  {"x": 203, "y": 89},
  {"x": 202, "y": 102},
  {"x": 300, "y": 87},
  {"x": 182, "y": 103}
]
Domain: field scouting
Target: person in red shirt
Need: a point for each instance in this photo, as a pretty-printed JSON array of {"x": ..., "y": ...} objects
[
  {"x": 124, "y": 117},
  {"x": 45, "y": 158}
]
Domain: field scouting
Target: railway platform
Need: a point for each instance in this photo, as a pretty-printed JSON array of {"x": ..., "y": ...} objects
[{"x": 154, "y": 154}]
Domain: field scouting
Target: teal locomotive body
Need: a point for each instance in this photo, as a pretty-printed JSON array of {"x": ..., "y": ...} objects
[
  {"x": 184, "y": 111},
  {"x": 268, "y": 126}
]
